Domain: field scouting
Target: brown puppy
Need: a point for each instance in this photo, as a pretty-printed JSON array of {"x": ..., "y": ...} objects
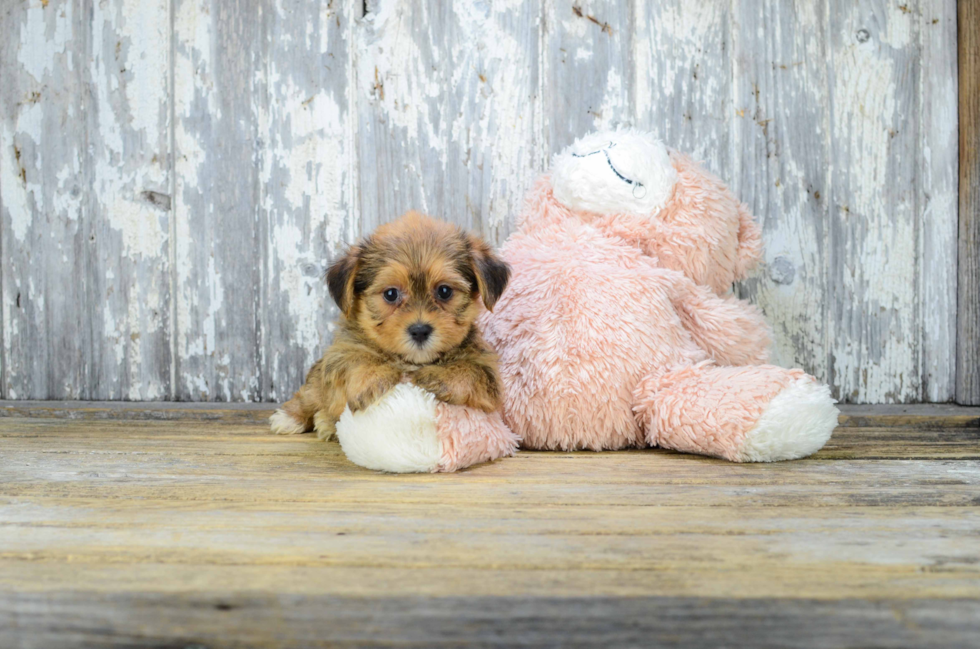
[{"x": 408, "y": 297}]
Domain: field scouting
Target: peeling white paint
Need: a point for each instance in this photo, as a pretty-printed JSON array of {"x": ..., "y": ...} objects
[
  {"x": 405, "y": 86},
  {"x": 287, "y": 241},
  {"x": 15, "y": 190},
  {"x": 866, "y": 82},
  {"x": 142, "y": 227},
  {"x": 490, "y": 132},
  {"x": 612, "y": 101},
  {"x": 147, "y": 41},
  {"x": 684, "y": 75},
  {"x": 40, "y": 61},
  {"x": 677, "y": 36},
  {"x": 899, "y": 25}
]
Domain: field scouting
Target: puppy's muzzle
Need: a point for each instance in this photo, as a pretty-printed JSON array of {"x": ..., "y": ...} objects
[{"x": 420, "y": 333}]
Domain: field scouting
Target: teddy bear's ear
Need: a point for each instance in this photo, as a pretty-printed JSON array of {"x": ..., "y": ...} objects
[
  {"x": 491, "y": 272},
  {"x": 749, "y": 243},
  {"x": 340, "y": 278}
]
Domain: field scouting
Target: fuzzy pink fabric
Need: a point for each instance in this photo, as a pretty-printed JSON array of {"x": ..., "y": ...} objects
[
  {"x": 469, "y": 436},
  {"x": 703, "y": 231},
  {"x": 707, "y": 409},
  {"x": 732, "y": 331},
  {"x": 696, "y": 234},
  {"x": 597, "y": 304}
]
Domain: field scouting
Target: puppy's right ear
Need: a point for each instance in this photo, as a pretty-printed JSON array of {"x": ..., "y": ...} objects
[{"x": 340, "y": 279}]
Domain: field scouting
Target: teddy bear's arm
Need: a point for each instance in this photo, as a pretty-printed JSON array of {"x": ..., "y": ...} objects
[{"x": 732, "y": 331}]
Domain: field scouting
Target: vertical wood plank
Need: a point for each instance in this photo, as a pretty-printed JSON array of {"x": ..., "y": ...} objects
[
  {"x": 968, "y": 315},
  {"x": 47, "y": 345},
  {"x": 492, "y": 109},
  {"x": 682, "y": 77},
  {"x": 85, "y": 186},
  {"x": 936, "y": 152},
  {"x": 445, "y": 98},
  {"x": 305, "y": 184},
  {"x": 401, "y": 76},
  {"x": 129, "y": 148},
  {"x": 587, "y": 83},
  {"x": 219, "y": 95},
  {"x": 782, "y": 161},
  {"x": 873, "y": 326}
]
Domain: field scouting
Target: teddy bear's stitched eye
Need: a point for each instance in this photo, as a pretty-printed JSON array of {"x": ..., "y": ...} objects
[
  {"x": 390, "y": 295},
  {"x": 444, "y": 292}
]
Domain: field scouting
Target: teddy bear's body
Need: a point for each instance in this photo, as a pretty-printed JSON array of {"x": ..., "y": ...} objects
[{"x": 617, "y": 329}]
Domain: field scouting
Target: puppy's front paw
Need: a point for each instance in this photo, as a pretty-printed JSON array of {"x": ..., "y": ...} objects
[
  {"x": 367, "y": 387},
  {"x": 452, "y": 386},
  {"x": 430, "y": 379},
  {"x": 325, "y": 425}
]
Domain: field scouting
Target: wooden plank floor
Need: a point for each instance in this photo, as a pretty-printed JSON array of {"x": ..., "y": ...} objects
[{"x": 179, "y": 531}]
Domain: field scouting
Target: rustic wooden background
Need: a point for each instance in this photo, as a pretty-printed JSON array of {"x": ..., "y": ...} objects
[{"x": 175, "y": 175}]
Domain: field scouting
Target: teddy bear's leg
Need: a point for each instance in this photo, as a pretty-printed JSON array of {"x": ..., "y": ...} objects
[
  {"x": 470, "y": 436},
  {"x": 758, "y": 413}
]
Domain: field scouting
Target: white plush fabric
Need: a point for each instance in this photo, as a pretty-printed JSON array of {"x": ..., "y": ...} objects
[
  {"x": 614, "y": 172},
  {"x": 796, "y": 423},
  {"x": 397, "y": 434},
  {"x": 283, "y": 424}
]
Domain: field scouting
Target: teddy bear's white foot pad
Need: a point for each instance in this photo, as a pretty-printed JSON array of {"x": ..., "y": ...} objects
[
  {"x": 796, "y": 423},
  {"x": 396, "y": 434}
]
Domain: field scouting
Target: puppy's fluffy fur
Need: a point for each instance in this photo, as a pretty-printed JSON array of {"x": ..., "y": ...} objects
[{"x": 408, "y": 299}]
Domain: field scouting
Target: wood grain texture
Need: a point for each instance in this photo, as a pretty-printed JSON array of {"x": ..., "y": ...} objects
[
  {"x": 219, "y": 98},
  {"x": 446, "y": 102},
  {"x": 586, "y": 77},
  {"x": 937, "y": 143},
  {"x": 872, "y": 233},
  {"x": 126, "y": 533},
  {"x": 85, "y": 184},
  {"x": 306, "y": 201},
  {"x": 682, "y": 77},
  {"x": 244, "y": 413},
  {"x": 175, "y": 175},
  {"x": 968, "y": 313},
  {"x": 782, "y": 137},
  {"x": 149, "y": 621}
]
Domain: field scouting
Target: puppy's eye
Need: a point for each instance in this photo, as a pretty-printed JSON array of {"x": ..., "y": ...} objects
[
  {"x": 444, "y": 292},
  {"x": 390, "y": 295}
]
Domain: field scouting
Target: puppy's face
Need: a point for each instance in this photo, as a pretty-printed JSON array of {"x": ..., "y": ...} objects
[{"x": 412, "y": 287}]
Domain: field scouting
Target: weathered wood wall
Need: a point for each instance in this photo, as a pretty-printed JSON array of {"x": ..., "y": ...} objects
[{"x": 175, "y": 175}]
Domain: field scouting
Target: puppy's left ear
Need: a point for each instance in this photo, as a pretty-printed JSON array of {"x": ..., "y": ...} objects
[
  {"x": 340, "y": 279},
  {"x": 491, "y": 272}
]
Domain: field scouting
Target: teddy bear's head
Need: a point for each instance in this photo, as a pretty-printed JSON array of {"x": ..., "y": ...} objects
[
  {"x": 624, "y": 171},
  {"x": 628, "y": 182}
]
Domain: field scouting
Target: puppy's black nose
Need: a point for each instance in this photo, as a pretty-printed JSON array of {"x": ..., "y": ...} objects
[{"x": 420, "y": 332}]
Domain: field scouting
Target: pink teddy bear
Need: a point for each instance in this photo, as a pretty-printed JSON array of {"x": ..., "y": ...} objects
[{"x": 618, "y": 329}]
